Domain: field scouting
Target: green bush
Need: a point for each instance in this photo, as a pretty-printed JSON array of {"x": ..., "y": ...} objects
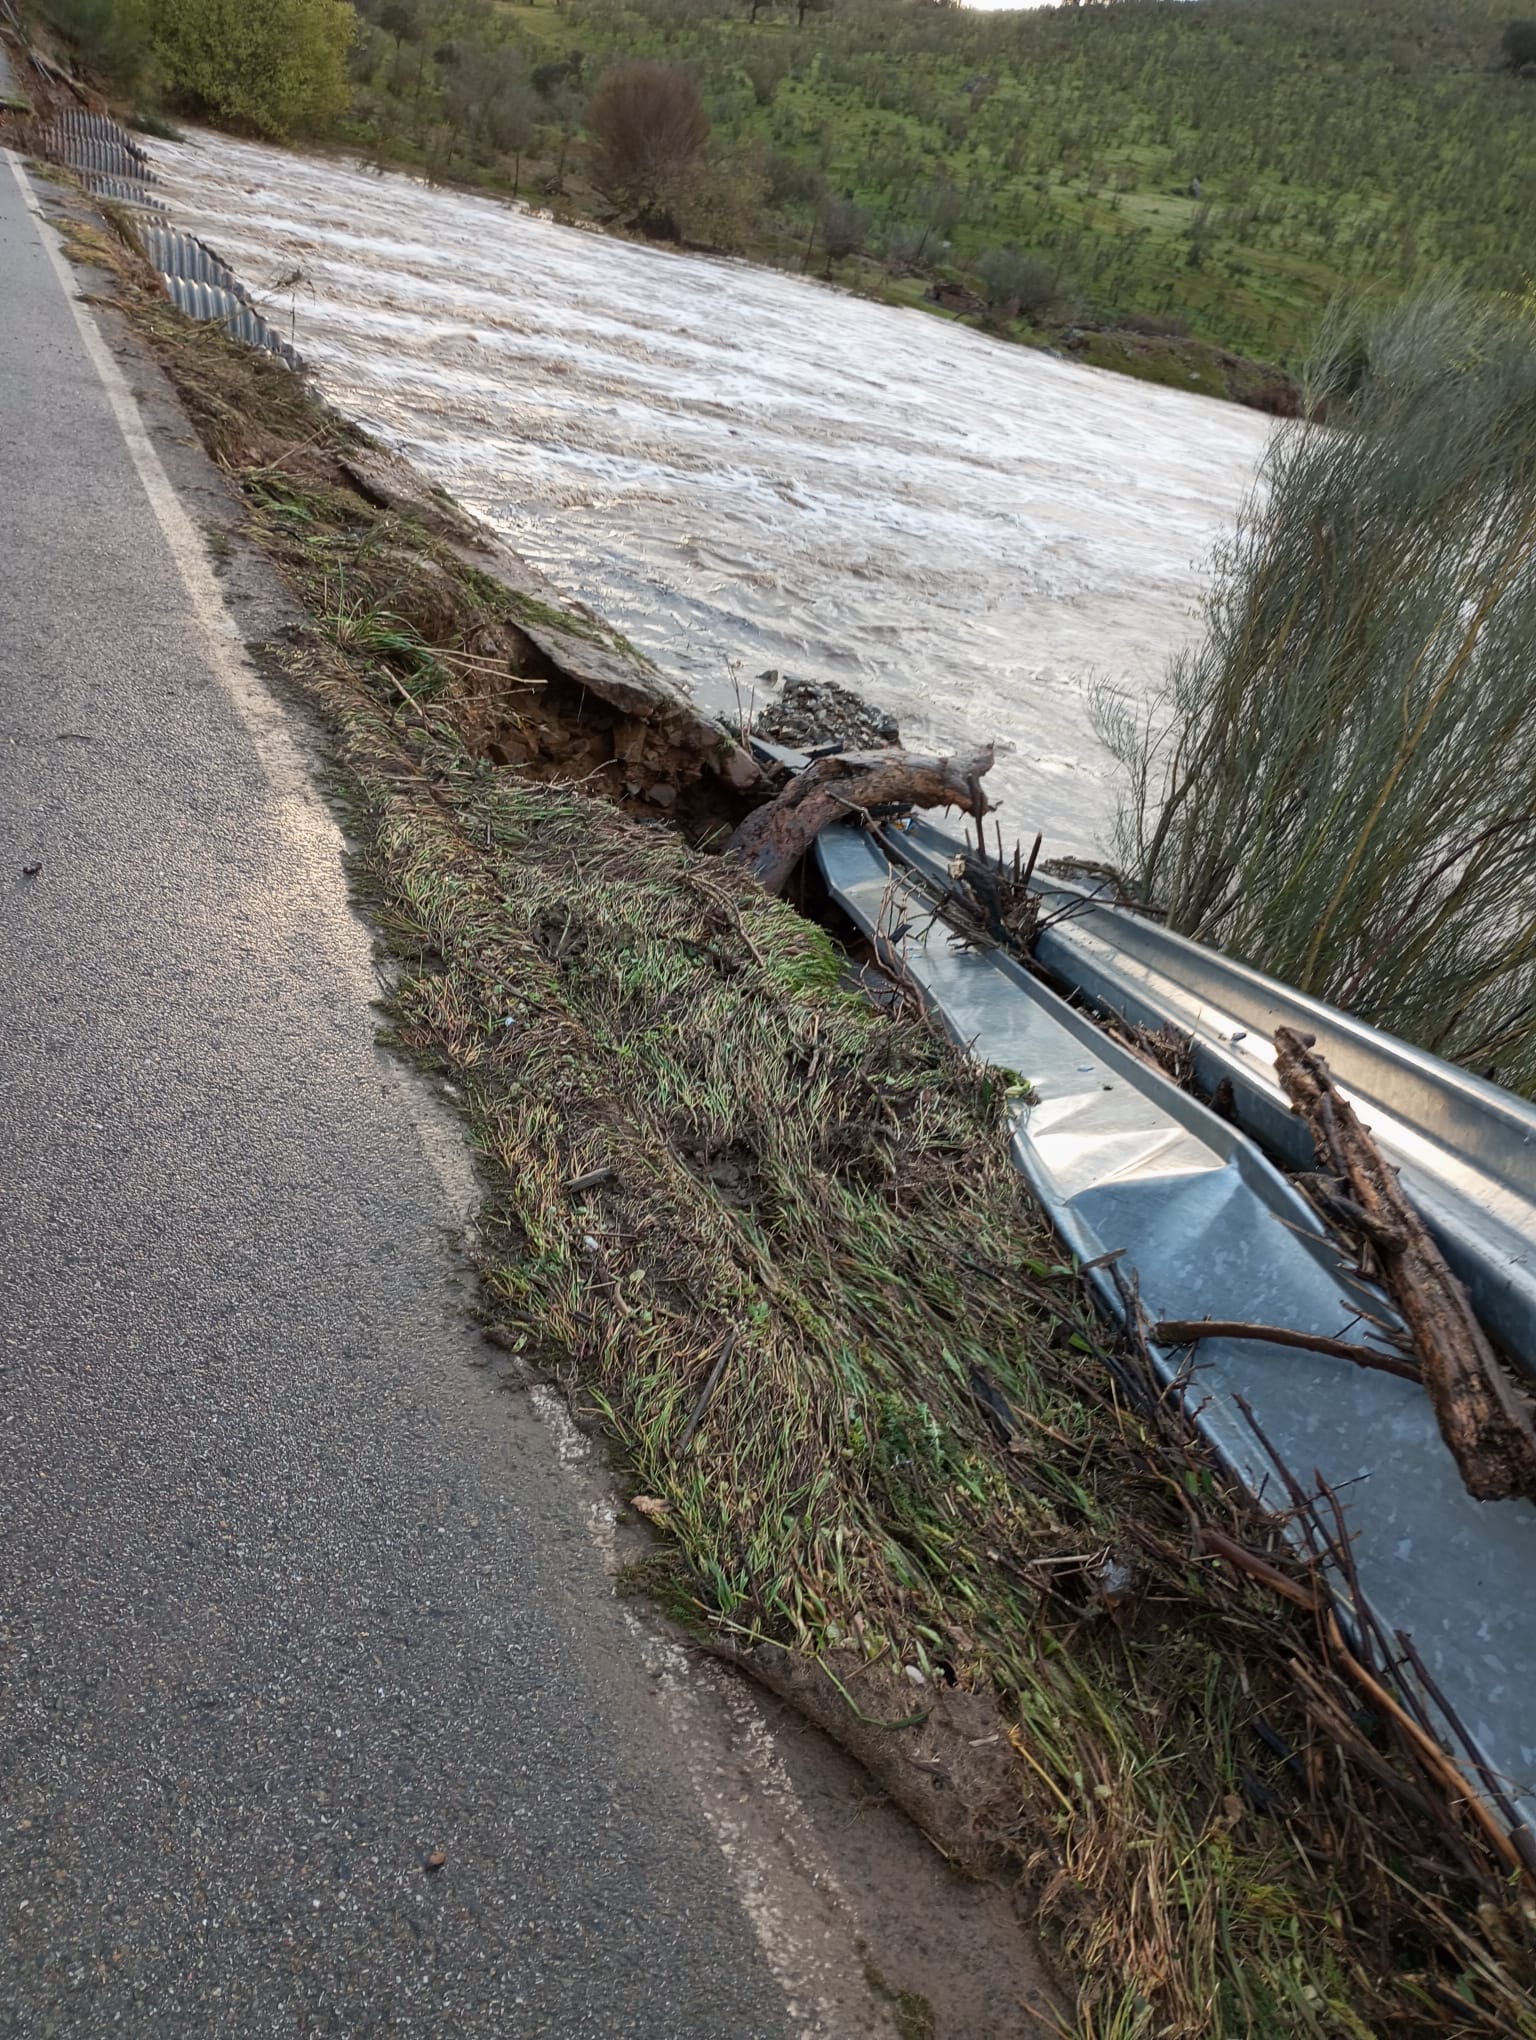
[
  {"x": 1339, "y": 785},
  {"x": 1517, "y": 46},
  {"x": 272, "y": 66},
  {"x": 1017, "y": 285}
]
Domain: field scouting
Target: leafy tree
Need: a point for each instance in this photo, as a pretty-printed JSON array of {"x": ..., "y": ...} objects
[
  {"x": 942, "y": 213},
  {"x": 1517, "y": 46},
  {"x": 557, "y": 74},
  {"x": 1017, "y": 285},
  {"x": 271, "y": 66},
  {"x": 565, "y": 110},
  {"x": 400, "y": 21},
  {"x": 648, "y": 129},
  {"x": 844, "y": 229}
]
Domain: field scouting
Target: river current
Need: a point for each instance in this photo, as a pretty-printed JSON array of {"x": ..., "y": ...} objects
[{"x": 744, "y": 471}]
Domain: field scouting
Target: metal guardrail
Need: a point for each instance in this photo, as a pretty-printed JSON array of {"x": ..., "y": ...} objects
[
  {"x": 111, "y": 165},
  {"x": 1122, "y": 1159},
  {"x": 102, "y": 154},
  {"x": 1465, "y": 1149},
  {"x": 177, "y": 254},
  {"x": 201, "y": 300}
]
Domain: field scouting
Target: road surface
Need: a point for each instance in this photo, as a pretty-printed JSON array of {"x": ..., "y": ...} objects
[{"x": 290, "y": 1598}]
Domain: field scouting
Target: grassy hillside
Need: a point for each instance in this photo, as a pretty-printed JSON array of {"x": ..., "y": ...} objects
[
  {"x": 1225, "y": 165},
  {"x": 1206, "y": 168}
]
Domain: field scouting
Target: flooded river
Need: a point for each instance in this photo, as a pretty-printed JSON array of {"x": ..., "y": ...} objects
[{"x": 743, "y": 470}]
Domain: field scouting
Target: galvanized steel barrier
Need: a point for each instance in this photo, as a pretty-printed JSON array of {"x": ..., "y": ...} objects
[
  {"x": 1125, "y": 1162},
  {"x": 112, "y": 165}
]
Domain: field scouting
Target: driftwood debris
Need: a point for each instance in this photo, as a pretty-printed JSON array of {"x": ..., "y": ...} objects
[
  {"x": 773, "y": 838},
  {"x": 1484, "y": 1418},
  {"x": 1190, "y": 1331}
]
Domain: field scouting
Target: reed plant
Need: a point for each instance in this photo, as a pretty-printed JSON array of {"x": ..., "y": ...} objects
[{"x": 1339, "y": 783}]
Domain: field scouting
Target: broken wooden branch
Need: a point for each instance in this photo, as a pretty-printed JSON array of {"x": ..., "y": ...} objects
[
  {"x": 1485, "y": 1420},
  {"x": 773, "y": 838},
  {"x": 1189, "y": 1331}
]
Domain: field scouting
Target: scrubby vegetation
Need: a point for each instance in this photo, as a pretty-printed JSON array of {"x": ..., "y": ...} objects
[
  {"x": 270, "y": 67},
  {"x": 1217, "y": 169},
  {"x": 1220, "y": 168},
  {"x": 1340, "y": 784}
]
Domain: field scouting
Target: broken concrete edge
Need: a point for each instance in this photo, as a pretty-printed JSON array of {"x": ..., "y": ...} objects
[{"x": 577, "y": 643}]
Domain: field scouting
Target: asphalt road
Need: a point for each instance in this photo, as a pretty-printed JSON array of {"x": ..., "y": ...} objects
[{"x": 290, "y": 1598}]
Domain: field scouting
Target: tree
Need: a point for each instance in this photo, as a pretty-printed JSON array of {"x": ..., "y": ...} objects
[
  {"x": 648, "y": 128},
  {"x": 511, "y": 124},
  {"x": 272, "y": 66},
  {"x": 566, "y": 110},
  {"x": 943, "y": 211},
  {"x": 805, "y": 7},
  {"x": 1517, "y": 48},
  {"x": 1016, "y": 285},
  {"x": 399, "y": 20},
  {"x": 844, "y": 226}
]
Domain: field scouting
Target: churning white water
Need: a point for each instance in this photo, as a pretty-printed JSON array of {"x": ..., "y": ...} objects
[{"x": 744, "y": 470}]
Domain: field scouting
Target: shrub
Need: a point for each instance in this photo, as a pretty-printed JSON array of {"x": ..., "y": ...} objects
[
  {"x": 1016, "y": 285},
  {"x": 1517, "y": 46},
  {"x": 793, "y": 180},
  {"x": 1340, "y": 784},
  {"x": 272, "y": 66},
  {"x": 648, "y": 128}
]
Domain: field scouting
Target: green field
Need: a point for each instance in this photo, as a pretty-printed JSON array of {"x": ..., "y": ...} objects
[{"x": 1226, "y": 166}]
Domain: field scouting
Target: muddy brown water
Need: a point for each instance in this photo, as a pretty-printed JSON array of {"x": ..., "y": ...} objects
[{"x": 744, "y": 470}]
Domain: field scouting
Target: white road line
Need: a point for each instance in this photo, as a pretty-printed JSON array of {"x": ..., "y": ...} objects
[{"x": 794, "y": 1968}]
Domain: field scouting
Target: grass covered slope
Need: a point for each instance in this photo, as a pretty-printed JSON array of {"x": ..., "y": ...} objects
[
  {"x": 896, "y": 1464},
  {"x": 1359, "y": 141}
]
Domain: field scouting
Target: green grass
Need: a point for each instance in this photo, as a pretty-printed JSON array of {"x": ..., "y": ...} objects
[
  {"x": 1367, "y": 141},
  {"x": 809, "y": 1250}
]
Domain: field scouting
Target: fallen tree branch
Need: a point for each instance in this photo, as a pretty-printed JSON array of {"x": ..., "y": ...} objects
[
  {"x": 773, "y": 838},
  {"x": 1189, "y": 1332},
  {"x": 1483, "y": 1417}
]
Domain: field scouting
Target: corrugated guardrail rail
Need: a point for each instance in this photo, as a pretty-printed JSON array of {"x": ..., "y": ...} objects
[
  {"x": 1207, "y": 1227},
  {"x": 112, "y": 165},
  {"x": 103, "y": 155},
  {"x": 1465, "y": 1150}
]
